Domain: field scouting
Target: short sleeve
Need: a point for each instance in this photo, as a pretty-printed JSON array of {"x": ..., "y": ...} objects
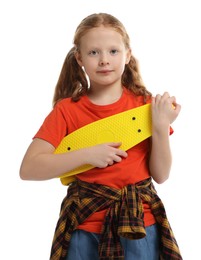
[
  {"x": 54, "y": 127},
  {"x": 171, "y": 130}
]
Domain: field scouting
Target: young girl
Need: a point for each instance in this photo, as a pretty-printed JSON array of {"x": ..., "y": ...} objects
[{"x": 111, "y": 211}]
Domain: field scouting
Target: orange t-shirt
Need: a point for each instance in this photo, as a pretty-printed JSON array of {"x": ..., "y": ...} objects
[{"x": 68, "y": 116}]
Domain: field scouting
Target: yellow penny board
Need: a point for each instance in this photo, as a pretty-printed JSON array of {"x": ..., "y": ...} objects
[{"x": 129, "y": 127}]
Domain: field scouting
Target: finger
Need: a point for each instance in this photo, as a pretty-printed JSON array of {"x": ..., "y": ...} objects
[
  {"x": 157, "y": 98},
  {"x": 111, "y": 162},
  {"x": 165, "y": 98},
  {"x": 166, "y": 95},
  {"x": 117, "y": 158},
  {"x": 177, "y": 108},
  {"x": 174, "y": 104},
  {"x": 172, "y": 100},
  {"x": 114, "y": 144},
  {"x": 121, "y": 153}
]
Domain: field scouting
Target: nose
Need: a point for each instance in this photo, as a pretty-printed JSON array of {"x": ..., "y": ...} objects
[{"x": 103, "y": 60}]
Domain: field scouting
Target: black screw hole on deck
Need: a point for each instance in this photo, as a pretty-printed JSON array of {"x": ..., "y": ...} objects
[
  {"x": 139, "y": 130},
  {"x": 68, "y": 148},
  {"x": 133, "y": 118}
]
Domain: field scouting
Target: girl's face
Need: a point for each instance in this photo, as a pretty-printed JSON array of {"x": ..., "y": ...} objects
[{"x": 103, "y": 55}]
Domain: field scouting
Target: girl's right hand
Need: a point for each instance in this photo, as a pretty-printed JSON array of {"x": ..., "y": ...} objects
[
  {"x": 40, "y": 162},
  {"x": 103, "y": 155}
]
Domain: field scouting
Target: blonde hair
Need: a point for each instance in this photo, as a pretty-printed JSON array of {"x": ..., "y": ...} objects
[{"x": 72, "y": 80}]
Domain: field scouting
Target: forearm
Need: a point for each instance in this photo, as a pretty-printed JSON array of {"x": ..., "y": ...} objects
[
  {"x": 160, "y": 156},
  {"x": 46, "y": 166},
  {"x": 164, "y": 111},
  {"x": 40, "y": 162}
]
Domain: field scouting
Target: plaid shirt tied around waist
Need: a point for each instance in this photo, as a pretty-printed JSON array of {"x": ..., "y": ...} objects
[{"x": 124, "y": 217}]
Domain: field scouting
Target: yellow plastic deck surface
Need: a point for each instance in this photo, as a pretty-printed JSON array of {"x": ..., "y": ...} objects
[{"x": 129, "y": 127}]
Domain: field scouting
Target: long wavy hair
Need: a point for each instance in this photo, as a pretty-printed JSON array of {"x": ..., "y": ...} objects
[{"x": 72, "y": 80}]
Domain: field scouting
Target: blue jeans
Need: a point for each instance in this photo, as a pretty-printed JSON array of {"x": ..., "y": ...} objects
[{"x": 84, "y": 246}]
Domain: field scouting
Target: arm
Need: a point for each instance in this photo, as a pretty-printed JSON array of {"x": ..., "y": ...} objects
[
  {"x": 40, "y": 162},
  {"x": 163, "y": 114}
]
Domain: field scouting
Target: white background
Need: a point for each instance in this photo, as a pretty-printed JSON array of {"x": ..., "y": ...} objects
[{"x": 35, "y": 38}]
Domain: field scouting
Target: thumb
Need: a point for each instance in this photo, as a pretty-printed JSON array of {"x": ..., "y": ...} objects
[
  {"x": 177, "y": 108},
  {"x": 114, "y": 144}
]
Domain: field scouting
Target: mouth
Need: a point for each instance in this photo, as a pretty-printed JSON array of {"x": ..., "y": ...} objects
[{"x": 104, "y": 71}]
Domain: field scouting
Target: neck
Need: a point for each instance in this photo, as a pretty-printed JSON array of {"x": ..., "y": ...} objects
[{"x": 105, "y": 96}]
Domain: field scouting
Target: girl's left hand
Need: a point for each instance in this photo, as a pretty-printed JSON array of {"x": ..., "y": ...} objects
[{"x": 164, "y": 110}]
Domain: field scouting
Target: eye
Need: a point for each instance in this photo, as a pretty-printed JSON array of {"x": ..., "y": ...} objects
[
  {"x": 93, "y": 53},
  {"x": 114, "y": 52}
]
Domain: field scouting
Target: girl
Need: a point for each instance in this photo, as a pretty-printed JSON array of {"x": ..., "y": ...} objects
[{"x": 111, "y": 211}]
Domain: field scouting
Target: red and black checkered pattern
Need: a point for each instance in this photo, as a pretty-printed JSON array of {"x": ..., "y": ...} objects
[{"x": 124, "y": 217}]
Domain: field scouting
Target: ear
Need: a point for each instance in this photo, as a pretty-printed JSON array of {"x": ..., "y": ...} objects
[
  {"x": 78, "y": 58},
  {"x": 128, "y": 56}
]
